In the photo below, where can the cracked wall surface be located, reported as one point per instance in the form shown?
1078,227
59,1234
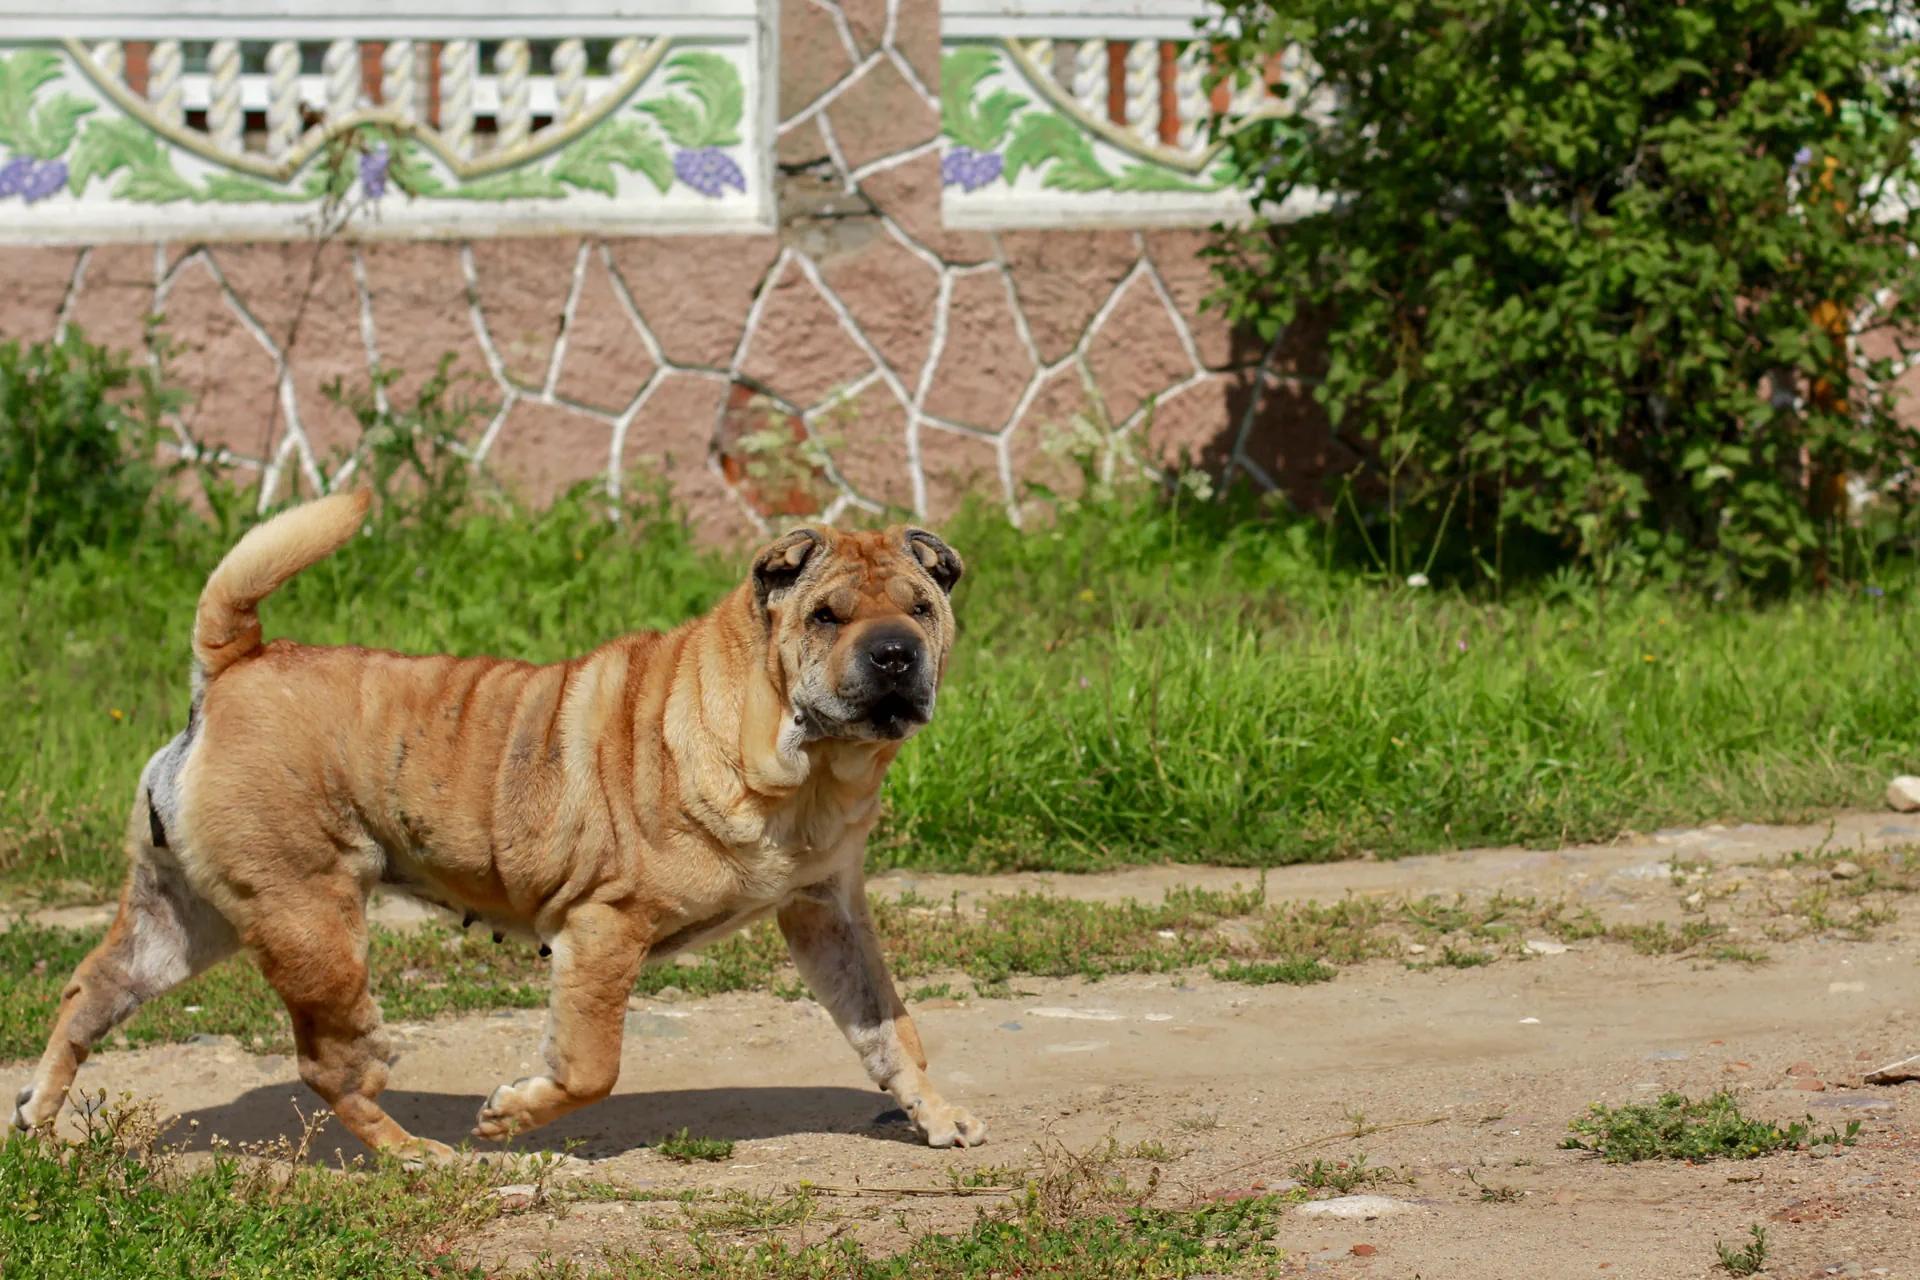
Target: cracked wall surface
921,363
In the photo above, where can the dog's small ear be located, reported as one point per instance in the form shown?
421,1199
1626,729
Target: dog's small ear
780,564
942,562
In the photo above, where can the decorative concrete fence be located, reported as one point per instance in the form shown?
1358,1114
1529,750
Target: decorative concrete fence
808,257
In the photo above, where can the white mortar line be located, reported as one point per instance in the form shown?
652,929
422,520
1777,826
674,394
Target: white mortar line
831,94
894,159
558,355
487,437
768,284
835,154
76,284
369,332
1187,344
617,441
839,25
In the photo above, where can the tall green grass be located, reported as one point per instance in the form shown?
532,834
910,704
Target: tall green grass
1136,682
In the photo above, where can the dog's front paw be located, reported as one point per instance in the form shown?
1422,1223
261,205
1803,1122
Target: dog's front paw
946,1125
504,1114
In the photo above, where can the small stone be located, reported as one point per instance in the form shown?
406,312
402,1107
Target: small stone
1803,1069
1542,947
1364,1251
1738,1066
1903,794
688,960
668,994
1365,1208
1810,1086
636,1003
1011,1026
517,1196
1417,949
761,1042
1564,1196
1821,1151
1844,870
1842,988
1863,1056
1895,1072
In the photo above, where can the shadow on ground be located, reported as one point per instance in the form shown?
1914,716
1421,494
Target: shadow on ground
621,1123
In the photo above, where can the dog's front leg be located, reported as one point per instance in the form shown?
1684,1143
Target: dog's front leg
831,936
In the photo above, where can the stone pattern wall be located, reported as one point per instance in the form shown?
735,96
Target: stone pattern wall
924,363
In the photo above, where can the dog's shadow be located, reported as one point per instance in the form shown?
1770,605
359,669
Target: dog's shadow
624,1122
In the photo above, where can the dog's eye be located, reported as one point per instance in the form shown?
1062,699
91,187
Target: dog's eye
923,610
826,617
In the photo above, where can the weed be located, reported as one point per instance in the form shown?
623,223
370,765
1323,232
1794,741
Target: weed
1458,959
987,1175
1200,1122
122,1202
941,991
1296,971
1675,1128
1494,1195
1747,1260
685,1148
1151,1149
1342,1177
743,1211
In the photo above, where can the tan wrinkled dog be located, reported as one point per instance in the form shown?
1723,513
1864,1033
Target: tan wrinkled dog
653,795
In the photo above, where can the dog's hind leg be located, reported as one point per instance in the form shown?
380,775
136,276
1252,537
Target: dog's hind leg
311,941
596,959
164,934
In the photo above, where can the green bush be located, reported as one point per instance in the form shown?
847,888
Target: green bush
76,469
1599,270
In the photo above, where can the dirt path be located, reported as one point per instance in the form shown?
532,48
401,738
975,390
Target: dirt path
1232,1081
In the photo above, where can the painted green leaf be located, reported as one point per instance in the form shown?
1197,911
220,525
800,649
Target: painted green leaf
20,75
156,183
411,169
233,188
713,118
960,73
1043,137
588,161
517,184
51,129
1152,177
108,146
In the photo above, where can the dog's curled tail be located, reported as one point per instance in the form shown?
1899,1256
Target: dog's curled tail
226,627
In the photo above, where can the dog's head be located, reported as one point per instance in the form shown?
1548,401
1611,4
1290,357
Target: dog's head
860,626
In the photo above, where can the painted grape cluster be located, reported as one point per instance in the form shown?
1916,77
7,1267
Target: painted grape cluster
32,180
968,169
708,170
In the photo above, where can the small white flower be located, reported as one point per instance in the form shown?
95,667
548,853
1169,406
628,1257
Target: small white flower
1416,579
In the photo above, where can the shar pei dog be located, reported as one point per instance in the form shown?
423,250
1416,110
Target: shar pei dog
617,808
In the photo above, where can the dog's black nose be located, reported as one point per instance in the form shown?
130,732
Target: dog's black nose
894,655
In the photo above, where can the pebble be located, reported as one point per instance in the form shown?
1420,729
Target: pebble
1365,1208
1078,1015
1364,1251
1738,1066
1803,1069
517,1196
1417,949
1903,794
1665,1055
669,994
1542,947
1895,1072
1840,988
1844,870
1821,1150
1011,1026
688,960
1564,1196
1810,1086
1076,1046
